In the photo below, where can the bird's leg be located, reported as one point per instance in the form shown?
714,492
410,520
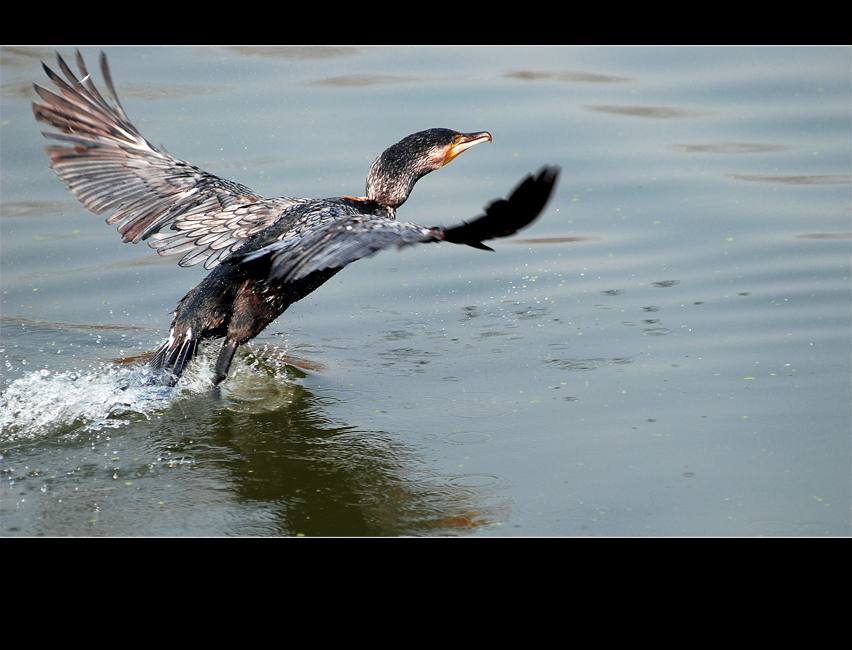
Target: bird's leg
229,348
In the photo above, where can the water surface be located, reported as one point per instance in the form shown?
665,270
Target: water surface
666,352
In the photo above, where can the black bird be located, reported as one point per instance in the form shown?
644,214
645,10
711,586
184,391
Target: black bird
265,254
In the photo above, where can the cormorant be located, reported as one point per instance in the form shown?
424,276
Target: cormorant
265,254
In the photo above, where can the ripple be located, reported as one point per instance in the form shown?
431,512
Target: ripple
551,240
579,364
581,77
468,438
654,112
473,480
826,235
362,80
656,331
817,179
729,147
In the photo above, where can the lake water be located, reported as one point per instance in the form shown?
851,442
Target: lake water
666,352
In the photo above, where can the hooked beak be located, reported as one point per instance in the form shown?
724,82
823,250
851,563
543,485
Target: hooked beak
465,141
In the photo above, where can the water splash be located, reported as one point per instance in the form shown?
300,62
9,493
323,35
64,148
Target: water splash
45,403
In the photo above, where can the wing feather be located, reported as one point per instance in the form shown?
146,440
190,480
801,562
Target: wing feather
110,168
505,217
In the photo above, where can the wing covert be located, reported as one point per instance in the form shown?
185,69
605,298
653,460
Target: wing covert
339,242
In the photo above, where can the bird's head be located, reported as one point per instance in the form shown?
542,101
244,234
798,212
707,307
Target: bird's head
394,173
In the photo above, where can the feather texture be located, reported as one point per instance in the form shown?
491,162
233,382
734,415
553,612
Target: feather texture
109,167
340,237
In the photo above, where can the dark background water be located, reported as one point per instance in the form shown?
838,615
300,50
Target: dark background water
666,352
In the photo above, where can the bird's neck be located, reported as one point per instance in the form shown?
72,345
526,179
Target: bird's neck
392,178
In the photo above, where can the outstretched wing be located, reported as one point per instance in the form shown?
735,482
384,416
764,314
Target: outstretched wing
347,239
109,167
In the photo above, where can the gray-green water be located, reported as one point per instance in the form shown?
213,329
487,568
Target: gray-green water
666,352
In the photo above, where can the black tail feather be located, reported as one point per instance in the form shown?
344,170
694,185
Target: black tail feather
171,358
